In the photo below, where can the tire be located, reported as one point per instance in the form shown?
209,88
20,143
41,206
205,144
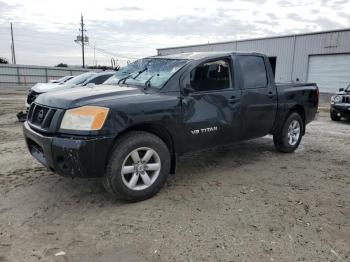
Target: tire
131,185
286,140
335,117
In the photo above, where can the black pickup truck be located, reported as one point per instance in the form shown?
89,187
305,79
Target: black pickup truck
131,130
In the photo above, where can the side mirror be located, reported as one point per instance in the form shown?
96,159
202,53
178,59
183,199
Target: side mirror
341,89
90,85
188,89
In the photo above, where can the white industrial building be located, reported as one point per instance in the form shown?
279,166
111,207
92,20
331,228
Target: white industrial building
321,57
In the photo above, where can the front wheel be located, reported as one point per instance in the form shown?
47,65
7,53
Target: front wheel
289,137
138,167
335,117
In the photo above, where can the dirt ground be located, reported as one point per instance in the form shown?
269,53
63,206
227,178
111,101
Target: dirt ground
244,202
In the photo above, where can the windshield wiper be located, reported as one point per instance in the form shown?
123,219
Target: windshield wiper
124,78
148,82
139,73
130,75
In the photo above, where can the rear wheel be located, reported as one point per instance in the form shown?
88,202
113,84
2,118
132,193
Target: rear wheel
138,167
289,137
335,117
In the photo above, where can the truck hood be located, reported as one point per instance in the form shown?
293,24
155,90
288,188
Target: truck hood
69,98
48,87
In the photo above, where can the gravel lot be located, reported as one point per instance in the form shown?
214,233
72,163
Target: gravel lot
244,202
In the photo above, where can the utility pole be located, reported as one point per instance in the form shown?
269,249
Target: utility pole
95,62
82,39
13,47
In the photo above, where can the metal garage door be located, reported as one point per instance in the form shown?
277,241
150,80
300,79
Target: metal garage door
330,72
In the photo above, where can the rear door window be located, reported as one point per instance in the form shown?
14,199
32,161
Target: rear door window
253,71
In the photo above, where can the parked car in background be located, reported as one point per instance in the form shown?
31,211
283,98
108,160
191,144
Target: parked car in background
40,88
49,87
340,104
131,130
86,79
99,78
51,84
61,80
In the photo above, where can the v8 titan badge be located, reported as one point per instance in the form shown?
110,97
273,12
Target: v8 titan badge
204,130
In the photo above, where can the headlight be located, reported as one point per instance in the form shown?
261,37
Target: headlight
337,99
85,118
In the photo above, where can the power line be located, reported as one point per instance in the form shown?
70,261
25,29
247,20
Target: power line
109,54
81,39
102,51
51,43
60,36
114,54
54,37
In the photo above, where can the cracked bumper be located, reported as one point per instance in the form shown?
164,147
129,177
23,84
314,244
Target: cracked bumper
69,156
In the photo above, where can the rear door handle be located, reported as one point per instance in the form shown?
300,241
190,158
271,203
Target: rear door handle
233,100
270,94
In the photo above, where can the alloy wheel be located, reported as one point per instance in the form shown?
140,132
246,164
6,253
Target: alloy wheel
141,168
293,132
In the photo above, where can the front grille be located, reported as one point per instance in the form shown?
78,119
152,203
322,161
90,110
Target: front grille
346,99
31,97
41,117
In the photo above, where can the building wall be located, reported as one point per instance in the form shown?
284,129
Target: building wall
326,43
292,52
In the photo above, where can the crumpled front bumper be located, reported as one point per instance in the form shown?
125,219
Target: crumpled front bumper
69,156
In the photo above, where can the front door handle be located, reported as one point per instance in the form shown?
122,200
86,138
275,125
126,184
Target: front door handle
233,100
270,94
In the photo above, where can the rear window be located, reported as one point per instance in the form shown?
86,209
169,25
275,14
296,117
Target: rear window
79,79
253,71
99,79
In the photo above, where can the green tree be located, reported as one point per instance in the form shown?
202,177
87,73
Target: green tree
62,65
101,67
3,60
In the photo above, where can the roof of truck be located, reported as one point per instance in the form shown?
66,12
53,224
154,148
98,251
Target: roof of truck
200,55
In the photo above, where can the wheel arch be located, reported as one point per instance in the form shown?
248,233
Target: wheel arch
297,108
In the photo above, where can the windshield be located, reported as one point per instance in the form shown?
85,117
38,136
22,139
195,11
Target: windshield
152,72
79,79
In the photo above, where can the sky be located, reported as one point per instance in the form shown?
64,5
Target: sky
44,31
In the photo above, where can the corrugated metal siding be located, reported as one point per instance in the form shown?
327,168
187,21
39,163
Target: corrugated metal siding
29,75
292,52
316,45
282,48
